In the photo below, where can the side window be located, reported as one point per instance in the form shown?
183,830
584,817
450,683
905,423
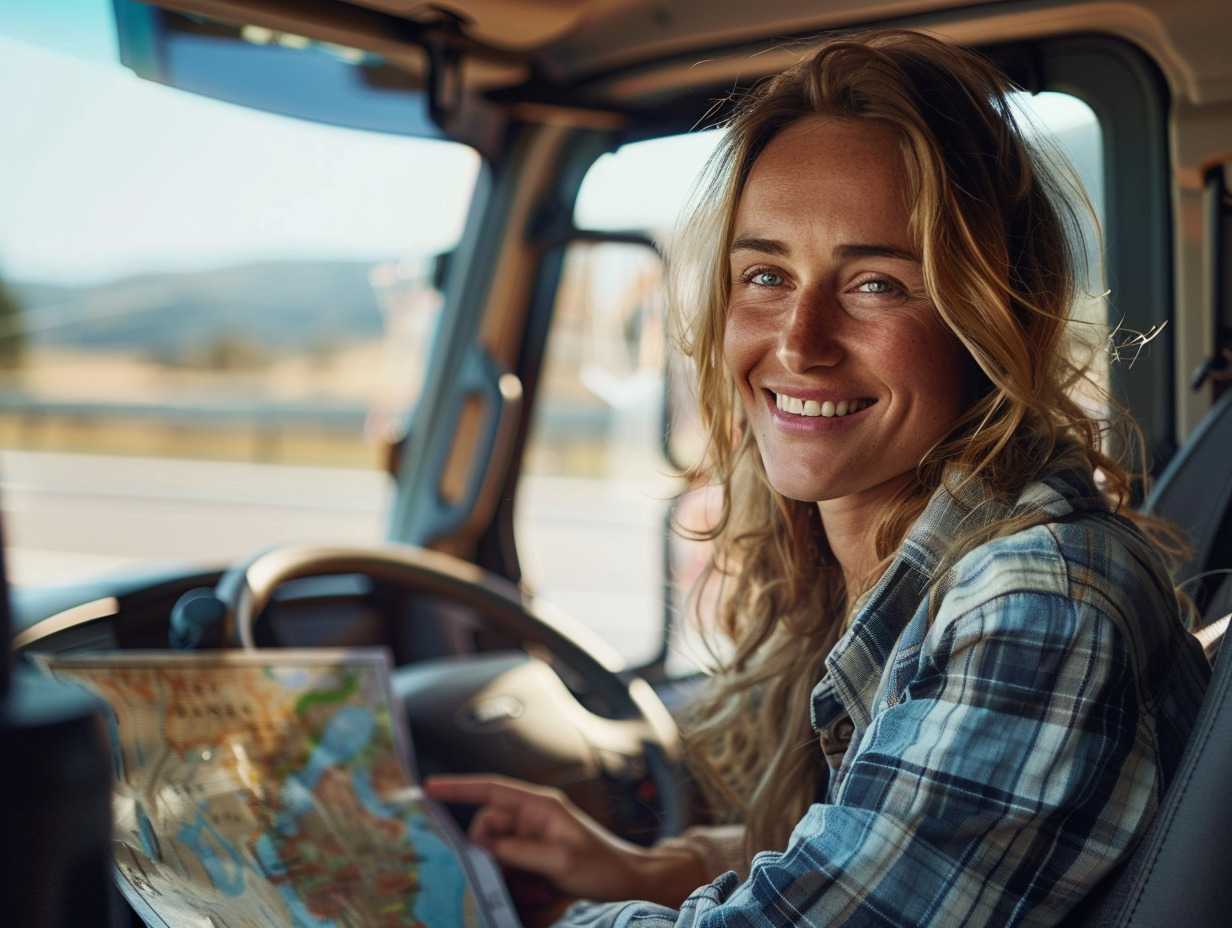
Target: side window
1130,182
1098,337
596,486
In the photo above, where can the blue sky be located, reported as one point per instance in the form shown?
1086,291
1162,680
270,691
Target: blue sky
103,174
83,29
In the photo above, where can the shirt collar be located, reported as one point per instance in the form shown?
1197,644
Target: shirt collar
855,664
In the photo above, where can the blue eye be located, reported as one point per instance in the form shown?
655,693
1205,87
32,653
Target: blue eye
877,286
766,279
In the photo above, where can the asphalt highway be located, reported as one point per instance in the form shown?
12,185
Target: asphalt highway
591,548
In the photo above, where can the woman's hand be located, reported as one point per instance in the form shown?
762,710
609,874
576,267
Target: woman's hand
538,830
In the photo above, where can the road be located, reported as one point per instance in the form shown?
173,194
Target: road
591,548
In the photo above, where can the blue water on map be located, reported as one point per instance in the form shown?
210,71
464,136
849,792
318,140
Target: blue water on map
149,840
439,872
267,857
346,735
228,880
297,801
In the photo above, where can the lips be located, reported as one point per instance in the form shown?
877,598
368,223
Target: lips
826,409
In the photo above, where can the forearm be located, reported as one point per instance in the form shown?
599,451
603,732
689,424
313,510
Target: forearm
658,876
718,848
666,875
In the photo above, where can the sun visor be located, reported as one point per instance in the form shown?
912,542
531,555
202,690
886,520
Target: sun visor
412,87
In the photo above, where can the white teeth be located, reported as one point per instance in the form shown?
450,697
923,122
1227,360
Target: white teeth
812,408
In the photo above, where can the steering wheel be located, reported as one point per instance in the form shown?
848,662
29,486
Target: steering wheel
505,712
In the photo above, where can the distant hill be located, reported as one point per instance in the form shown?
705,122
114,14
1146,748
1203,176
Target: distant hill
280,306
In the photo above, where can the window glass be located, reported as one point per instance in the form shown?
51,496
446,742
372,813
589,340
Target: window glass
643,186
594,493
211,315
1075,129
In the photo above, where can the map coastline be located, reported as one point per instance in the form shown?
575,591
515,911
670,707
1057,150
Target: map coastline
275,787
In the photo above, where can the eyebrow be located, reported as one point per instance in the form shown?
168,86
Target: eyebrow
767,246
772,246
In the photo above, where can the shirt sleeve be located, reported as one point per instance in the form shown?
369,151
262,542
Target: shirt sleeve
995,786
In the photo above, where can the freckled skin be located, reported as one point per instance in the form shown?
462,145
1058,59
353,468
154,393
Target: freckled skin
827,301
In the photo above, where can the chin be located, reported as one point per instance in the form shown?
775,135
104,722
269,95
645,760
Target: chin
800,491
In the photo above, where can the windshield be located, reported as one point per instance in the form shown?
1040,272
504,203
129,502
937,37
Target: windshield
213,317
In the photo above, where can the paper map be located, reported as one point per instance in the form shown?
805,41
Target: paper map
264,789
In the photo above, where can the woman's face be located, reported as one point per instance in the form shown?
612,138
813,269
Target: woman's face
845,368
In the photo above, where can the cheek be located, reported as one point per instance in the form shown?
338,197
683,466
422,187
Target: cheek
739,348
937,366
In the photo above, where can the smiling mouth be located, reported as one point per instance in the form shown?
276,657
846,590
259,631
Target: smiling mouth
826,410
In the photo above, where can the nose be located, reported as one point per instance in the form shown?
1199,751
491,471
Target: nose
812,333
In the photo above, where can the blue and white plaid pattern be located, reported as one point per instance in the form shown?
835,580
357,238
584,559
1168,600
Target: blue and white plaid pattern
1012,729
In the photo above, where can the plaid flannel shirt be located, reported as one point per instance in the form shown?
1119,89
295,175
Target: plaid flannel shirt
999,737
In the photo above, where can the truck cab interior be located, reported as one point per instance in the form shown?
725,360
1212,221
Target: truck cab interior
569,120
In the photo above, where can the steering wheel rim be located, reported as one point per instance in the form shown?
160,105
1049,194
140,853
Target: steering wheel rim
247,586
639,716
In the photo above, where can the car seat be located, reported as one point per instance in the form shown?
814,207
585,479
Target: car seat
1195,493
1179,873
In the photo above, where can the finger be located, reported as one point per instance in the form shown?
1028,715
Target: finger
458,788
490,823
481,790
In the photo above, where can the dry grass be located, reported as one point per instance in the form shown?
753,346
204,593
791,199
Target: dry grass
352,374
155,439
361,374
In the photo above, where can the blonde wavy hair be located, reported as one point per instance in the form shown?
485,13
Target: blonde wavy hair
996,229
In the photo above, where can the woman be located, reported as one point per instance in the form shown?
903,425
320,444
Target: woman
959,672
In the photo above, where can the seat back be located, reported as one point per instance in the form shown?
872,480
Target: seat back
1195,493
1178,876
